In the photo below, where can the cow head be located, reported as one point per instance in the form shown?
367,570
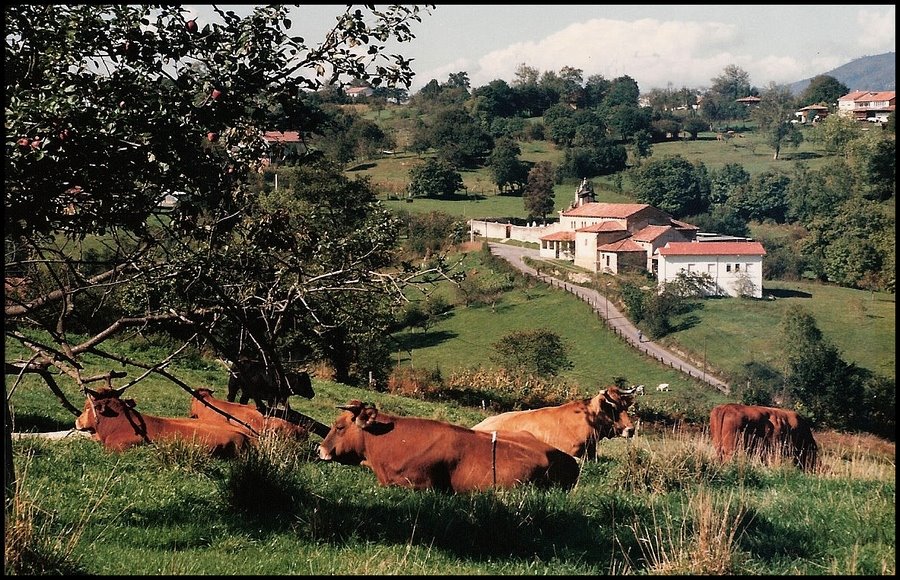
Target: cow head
610,412
106,402
299,383
345,442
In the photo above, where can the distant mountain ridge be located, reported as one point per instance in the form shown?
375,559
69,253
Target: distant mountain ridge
868,73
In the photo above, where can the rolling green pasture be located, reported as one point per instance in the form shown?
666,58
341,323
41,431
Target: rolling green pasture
464,338
732,331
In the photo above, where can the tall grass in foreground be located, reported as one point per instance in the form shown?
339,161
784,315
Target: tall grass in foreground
658,504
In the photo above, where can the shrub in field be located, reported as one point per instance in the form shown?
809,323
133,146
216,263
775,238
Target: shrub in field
502,390
261,480
414,382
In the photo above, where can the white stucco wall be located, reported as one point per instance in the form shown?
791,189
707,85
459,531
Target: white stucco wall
722,269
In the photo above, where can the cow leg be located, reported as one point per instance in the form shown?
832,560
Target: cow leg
232,391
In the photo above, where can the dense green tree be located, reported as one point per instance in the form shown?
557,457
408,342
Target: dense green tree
873,160
626,120
835,131
510,173
855,247
123,104
722,219
603,158
495,99
434,178
538,352
773,117
726,182
695,125
816,377
823,89
672,184
595,89
720,101
431,232
458,138
641,144
538,197
818,193
763,198
623,91
560,124
664,129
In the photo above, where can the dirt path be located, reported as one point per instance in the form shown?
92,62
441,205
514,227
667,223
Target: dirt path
608,311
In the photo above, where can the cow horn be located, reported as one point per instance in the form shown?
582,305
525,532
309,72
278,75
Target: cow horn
90,392
628,391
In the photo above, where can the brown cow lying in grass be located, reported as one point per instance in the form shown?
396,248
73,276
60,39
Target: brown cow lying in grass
574,427
256,422
428,454
116,424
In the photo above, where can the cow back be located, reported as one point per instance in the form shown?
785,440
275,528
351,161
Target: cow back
249,419
761,430
427,454
574,427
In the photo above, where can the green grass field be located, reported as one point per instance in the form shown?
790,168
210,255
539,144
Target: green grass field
658,504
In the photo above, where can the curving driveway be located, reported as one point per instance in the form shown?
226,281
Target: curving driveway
607,310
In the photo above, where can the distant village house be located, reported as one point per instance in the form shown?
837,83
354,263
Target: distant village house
615,237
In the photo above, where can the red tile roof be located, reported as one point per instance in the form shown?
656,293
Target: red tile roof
650,233
625,245
611,226
607,210
684,225
286,137
559,237
712,249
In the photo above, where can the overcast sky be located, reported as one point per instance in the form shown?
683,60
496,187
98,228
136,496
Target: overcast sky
658,46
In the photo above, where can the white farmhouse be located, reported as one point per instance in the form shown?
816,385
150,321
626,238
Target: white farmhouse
734,266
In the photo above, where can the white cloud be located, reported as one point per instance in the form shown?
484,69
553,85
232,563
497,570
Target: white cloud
879,30
658,53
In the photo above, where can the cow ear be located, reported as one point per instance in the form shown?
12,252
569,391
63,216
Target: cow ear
366,416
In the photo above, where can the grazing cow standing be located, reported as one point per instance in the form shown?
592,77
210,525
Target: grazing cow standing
763,430
116,424
427,454
254,380
574,427
662,387
249,414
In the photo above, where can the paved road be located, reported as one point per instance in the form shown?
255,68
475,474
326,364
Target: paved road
607,310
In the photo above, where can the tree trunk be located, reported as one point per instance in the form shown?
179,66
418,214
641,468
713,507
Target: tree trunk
10,468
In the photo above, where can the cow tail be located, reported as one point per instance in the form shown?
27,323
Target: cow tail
494,457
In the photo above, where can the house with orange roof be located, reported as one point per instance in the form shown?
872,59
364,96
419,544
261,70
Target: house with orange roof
873,106
613,237
284,145
735,267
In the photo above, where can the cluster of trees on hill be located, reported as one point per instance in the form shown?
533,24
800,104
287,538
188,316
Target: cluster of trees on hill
847,229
